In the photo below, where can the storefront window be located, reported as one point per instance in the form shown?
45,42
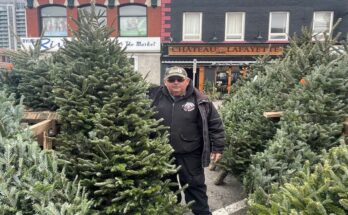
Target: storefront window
53,21
133,21
278,26
322,22
99,10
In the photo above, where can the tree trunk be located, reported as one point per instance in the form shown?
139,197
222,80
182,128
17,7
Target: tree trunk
219,180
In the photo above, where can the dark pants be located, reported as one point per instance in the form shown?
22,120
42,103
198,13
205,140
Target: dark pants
192,173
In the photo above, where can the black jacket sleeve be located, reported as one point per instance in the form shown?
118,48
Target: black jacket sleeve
216,130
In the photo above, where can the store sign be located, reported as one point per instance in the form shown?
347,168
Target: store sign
141,44
225,50
136,44
47,43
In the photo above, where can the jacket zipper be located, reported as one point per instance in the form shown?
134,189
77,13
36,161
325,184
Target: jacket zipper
171,122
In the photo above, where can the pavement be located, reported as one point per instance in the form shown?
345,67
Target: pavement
226,199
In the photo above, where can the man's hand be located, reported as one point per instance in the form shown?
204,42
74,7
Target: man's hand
215,156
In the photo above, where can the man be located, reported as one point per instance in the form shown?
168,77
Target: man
196,132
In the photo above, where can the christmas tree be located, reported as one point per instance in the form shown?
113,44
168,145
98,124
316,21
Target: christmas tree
323,190
247,130
30,181
313,121
314,115
108,134
30,77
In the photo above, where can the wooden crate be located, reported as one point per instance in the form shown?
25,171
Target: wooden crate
44,125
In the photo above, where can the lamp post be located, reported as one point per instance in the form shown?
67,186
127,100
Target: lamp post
194,71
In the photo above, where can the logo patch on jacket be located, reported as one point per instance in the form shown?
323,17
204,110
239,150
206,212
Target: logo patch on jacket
189,106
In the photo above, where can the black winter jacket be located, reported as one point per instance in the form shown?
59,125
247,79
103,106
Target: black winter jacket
212,127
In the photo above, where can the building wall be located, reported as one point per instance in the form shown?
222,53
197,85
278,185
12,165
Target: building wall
257,15
149,65
209,63
153,14
145,59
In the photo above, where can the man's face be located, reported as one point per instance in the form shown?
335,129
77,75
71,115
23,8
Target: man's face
177,85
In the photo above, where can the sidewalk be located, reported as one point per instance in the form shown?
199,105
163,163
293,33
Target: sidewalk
225,199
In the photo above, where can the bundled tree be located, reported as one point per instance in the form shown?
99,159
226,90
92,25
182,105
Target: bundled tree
323,190
313,121
247,130
108,134
30,181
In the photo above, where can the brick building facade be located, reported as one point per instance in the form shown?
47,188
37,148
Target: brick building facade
136,24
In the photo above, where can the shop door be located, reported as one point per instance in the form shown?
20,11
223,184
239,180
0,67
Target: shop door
221,80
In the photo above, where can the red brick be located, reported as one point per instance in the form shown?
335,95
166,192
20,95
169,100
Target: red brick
165,34
167,9
166,18
43,2
124,1
112,21
72,13
59,2
32,22
140,1
154,17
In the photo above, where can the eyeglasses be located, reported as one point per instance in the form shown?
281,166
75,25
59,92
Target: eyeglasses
173,79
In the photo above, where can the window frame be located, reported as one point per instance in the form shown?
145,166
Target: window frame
286,34
41,17
320,35
200,27
242,35
132,16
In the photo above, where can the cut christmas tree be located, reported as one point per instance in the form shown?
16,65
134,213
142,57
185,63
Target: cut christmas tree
30,182
247,130
322,189
312,121
31,78
108,134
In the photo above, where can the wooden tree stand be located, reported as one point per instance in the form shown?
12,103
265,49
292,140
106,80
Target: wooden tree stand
43,125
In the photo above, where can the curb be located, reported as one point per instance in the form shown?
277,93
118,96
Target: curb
230,209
